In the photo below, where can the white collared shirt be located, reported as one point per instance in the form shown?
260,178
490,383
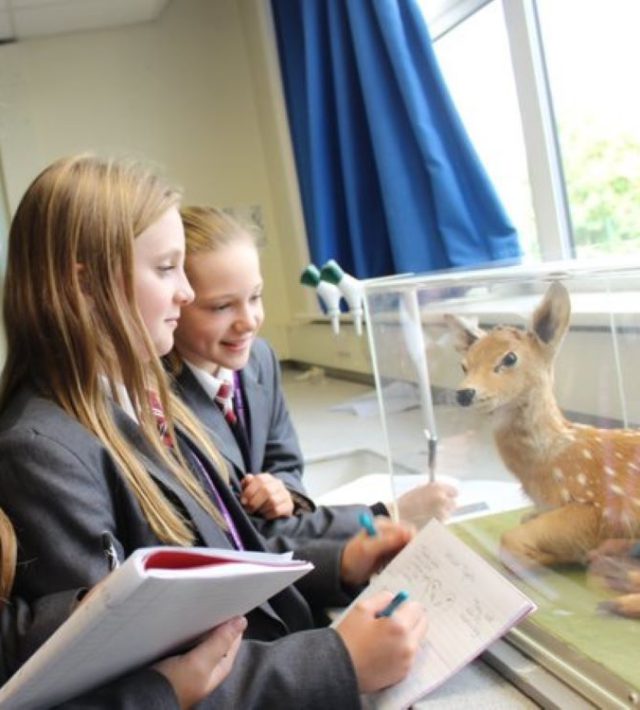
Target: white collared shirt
123,401
210,383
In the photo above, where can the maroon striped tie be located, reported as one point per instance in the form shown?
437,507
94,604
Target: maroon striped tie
224,399
161,422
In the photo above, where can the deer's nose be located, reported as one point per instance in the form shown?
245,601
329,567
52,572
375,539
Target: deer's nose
465,397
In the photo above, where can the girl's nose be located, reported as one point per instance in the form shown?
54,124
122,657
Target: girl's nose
185,293
246,320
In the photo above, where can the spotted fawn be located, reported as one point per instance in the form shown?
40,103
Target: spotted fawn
584,481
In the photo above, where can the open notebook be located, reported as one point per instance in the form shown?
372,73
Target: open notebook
469,605
160,599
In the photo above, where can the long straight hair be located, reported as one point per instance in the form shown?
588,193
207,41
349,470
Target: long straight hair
72,321
7,558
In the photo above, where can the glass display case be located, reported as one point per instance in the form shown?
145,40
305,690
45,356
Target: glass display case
521,385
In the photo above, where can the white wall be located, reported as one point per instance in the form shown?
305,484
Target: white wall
198,91
179,91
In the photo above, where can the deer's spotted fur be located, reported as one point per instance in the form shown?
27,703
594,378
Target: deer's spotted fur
584,481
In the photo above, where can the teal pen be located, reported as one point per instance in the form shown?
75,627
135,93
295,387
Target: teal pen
367,523
399,598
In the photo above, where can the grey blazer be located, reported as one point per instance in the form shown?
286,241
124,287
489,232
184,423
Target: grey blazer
23,628
273,443
274,446
62,490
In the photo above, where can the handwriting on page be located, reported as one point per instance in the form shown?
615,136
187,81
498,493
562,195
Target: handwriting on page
436,578
469,605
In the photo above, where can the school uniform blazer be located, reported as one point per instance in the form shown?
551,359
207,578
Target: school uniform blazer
24,627
62,490
274,446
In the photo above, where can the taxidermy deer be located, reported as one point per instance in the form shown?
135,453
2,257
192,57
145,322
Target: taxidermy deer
584,481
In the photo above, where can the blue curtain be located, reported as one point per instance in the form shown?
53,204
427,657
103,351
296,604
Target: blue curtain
389,180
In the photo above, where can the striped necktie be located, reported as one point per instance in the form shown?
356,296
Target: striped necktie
161,422
158,413
224,399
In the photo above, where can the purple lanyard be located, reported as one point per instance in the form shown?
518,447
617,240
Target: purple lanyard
238,398
158,413
233,531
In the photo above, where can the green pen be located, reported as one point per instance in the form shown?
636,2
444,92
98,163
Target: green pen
367,523
399,598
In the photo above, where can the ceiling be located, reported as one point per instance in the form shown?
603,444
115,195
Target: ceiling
21,19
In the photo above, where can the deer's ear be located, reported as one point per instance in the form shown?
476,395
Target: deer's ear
551,317
465,331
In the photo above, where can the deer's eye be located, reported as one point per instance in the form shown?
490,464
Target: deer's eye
509,360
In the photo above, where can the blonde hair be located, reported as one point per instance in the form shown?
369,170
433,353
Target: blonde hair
207,229
210,229
72,320
7,558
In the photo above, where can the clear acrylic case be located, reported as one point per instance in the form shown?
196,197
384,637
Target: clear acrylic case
580,630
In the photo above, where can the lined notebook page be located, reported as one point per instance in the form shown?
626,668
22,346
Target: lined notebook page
469,605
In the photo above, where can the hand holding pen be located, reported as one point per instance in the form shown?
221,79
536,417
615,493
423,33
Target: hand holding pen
366,553
394,604
383,645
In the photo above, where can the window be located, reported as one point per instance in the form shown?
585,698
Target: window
484,92
592,67
546,90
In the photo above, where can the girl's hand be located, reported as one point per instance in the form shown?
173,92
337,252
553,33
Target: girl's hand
432,500
364,554
200,671
382,650
266,495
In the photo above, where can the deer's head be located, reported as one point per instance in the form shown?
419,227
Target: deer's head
505,364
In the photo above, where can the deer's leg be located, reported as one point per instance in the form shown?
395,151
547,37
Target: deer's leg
562,535
620,573
625,605
614,547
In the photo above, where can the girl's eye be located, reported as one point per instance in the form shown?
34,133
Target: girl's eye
256,297
166,267
221,307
